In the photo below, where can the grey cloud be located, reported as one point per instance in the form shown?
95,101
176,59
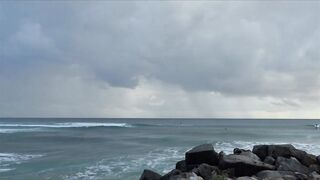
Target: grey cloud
236,49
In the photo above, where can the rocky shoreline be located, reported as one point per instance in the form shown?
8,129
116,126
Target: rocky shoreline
271,162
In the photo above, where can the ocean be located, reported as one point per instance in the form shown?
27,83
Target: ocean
119,149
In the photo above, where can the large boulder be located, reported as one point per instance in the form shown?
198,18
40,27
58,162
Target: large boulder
201,154
243,165
291,164
150,175
206,171
284,150
261,151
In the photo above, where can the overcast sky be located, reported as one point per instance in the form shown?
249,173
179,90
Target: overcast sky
160,59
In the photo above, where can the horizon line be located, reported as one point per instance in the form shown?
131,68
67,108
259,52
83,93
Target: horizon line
204,118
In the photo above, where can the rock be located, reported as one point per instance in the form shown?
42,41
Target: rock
243,165
318,159
314,176
291,164
305,158
269,160
150,175
206,171
268,174
172,173
284,150
181,165
201,154
261,151
246,153
186,176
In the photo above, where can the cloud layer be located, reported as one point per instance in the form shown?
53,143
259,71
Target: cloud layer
160,59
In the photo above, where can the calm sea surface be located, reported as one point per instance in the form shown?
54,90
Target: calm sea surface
119,149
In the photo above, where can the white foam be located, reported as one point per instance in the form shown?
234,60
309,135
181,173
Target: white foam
160,160
6,169
17,130
69,125
8,159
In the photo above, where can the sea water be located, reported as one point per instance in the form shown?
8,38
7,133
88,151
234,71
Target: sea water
119,149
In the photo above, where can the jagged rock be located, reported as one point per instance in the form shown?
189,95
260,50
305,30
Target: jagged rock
186,176
201,154
150,175
181,165
269,160
268,174
172,173
284,150
206,171
291,164
243,165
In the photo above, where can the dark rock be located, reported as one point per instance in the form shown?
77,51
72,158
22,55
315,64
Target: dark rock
291,164
243,165
318,159
305,158
284,150
206,171
181,165
268,174
245,153
169,175
201,154
269,160
150,175
261,151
